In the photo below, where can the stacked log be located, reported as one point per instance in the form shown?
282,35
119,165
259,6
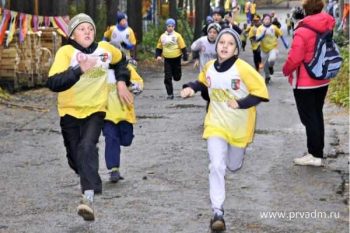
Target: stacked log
26,64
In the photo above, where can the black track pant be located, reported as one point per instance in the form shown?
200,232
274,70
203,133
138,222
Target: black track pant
172,70
80,139
310,104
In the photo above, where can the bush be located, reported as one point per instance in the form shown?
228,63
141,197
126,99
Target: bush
339,87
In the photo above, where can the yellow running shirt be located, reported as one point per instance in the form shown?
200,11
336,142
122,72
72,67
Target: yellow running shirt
236,126
89,94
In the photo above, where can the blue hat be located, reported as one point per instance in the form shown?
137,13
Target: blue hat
120,16
219,11
209,19
170,21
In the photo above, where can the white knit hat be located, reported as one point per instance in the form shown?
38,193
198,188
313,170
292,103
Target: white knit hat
78,19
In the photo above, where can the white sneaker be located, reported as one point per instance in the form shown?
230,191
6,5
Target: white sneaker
308,160
85,209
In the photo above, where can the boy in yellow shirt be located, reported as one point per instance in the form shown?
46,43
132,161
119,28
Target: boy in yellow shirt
171,46
79,75
121,35
118,124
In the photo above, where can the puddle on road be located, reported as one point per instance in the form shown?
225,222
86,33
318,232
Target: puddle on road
183,106
151,117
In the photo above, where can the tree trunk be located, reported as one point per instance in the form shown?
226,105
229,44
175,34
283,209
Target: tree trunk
206,10
90,8
172,9
134,12
112,7
180,4
21,6
40,7
222,3
198,19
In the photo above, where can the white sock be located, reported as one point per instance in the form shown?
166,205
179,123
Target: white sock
218,212
89,194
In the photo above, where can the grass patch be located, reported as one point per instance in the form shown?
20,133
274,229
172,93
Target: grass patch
339,87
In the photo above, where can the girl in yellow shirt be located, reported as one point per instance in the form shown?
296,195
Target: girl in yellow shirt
235,88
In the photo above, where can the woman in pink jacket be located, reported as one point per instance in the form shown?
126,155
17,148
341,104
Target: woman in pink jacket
309,93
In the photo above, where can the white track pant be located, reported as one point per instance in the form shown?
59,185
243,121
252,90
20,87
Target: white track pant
269,60
221,155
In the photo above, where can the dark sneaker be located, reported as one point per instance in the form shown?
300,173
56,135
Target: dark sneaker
267,80
85,209
170,97
115,176
271,70
217,223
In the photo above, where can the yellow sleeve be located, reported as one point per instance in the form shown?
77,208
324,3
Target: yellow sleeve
259,31
108,33
116,53
159,43
202,75
180,41
132,37
134,76
252,79
62,60
251,33
278,31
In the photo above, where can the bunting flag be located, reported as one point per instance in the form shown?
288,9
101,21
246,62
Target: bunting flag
61,25
35,22
21,21
47,21
12,27
27,23
4,24
40,20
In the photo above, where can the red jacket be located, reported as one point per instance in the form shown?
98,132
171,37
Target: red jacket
302,49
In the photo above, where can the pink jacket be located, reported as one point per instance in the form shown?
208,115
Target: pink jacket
302,49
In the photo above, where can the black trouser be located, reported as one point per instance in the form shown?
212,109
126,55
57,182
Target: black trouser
172,70
257,58
310,104
80,139
244,44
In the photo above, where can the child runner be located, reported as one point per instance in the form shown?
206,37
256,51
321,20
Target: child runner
268,34
121,35
205,46
79,75
118,124
244,35
289,23
255,45
171,45
235,88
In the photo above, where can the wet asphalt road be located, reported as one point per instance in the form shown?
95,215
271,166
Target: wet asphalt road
166,169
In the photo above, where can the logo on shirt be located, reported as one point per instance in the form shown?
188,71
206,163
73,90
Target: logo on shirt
103,57
235,84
